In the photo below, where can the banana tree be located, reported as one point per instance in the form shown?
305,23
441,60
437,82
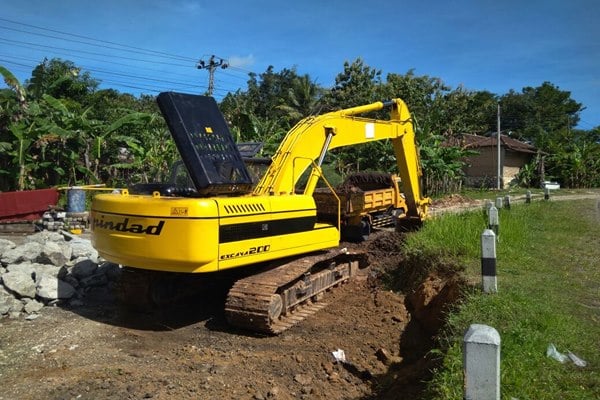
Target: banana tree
85,138
442,165
12,82
18,143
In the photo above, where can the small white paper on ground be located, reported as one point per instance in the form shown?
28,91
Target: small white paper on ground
339,355
558,356
576,360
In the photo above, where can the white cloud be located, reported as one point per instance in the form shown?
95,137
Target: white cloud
191,6
241,61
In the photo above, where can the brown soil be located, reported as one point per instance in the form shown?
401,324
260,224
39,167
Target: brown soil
187,351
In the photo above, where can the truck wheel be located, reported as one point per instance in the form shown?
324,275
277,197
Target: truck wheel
365,229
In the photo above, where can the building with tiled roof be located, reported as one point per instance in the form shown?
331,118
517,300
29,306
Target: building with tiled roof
482,169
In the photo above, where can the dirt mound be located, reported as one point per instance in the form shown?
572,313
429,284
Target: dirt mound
453,200
429,303
366,181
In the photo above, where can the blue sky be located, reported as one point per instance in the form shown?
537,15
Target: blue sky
482,45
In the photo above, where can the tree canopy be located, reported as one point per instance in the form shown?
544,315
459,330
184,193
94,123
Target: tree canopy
58,128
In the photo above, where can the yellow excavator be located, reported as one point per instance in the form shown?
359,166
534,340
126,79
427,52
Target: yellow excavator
218,219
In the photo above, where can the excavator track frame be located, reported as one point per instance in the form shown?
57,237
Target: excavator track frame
275,300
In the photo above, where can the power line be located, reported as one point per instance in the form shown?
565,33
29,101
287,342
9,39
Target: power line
129,84
180,83
592,126
14,63
69,52
89,52
124,46
155,52
109,58
121,73
145,78
96,59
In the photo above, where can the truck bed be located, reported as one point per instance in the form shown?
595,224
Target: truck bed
354,203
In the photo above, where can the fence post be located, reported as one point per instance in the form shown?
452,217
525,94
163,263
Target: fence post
489,280
528,197
481,363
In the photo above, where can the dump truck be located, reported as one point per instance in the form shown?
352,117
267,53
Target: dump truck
221,220
368,200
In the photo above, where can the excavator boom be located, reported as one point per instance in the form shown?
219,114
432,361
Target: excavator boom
313,136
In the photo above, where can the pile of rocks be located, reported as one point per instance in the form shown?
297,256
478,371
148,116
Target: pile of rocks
57,220
50,268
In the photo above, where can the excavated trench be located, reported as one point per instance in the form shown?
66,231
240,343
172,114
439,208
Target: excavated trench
428,293
426,306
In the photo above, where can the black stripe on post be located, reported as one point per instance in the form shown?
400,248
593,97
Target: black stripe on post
488,266
488,262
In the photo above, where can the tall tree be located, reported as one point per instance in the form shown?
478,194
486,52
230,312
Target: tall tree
60,79
303,99
357,84
540,114
273,103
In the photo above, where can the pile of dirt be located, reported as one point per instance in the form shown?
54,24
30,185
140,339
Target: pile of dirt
453,200
365,181
187,351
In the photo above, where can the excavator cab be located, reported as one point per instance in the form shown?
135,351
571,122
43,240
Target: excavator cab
211,163
207,148
181,184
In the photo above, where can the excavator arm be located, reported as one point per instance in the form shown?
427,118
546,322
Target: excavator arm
312,137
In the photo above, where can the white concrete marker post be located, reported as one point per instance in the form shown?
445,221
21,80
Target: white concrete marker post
507,202
528,197
493,220
498,202
481,363
489,280
487,204
546,193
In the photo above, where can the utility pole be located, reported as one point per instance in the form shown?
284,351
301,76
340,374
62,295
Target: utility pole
499,154
211,65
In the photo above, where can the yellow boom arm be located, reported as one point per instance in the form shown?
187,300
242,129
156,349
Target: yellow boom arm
312,137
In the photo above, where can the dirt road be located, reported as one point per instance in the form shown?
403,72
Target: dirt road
187,351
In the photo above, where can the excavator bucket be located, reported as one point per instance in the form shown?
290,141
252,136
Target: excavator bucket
206,146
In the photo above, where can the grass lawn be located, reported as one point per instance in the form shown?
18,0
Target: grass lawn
548,292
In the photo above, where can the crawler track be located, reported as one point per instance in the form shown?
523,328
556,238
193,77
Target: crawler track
269,302
275,300
145,290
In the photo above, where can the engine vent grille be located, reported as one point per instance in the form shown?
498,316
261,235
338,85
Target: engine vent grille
249,208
